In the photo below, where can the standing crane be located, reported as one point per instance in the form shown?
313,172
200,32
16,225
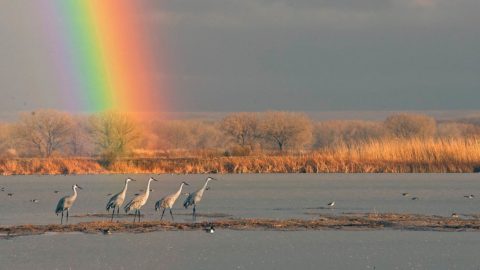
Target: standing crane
169,200
65,203
138,201
195,197
117,200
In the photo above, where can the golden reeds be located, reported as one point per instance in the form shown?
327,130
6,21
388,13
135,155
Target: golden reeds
385,156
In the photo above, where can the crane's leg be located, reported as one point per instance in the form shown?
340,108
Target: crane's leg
118,211
171,214
113,212
61,220
67,215
134,216
194,214
139,215
163,212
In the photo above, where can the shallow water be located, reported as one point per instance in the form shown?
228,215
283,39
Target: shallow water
245,250
267,196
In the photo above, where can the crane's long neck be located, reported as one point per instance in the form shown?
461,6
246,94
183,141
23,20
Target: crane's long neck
124,191
205,185
74,192
148,188
179,191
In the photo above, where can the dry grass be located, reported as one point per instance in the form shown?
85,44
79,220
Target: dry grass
385,156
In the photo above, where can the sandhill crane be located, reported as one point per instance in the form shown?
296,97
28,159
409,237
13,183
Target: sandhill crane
117,200
65,203
195,197
137,202
169,201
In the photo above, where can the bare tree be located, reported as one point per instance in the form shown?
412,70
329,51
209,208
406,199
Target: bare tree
5,138
114,134
287,129
331,133
80,143
175,134
457,130
411,125
207,135
243,128
43,132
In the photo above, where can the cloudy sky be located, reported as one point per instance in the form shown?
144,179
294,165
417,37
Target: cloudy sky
255,55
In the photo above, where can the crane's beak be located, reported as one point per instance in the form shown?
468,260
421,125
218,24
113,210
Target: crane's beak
133,180
185,183
79,187
154,179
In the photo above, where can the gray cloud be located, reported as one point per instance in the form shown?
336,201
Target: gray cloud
282,54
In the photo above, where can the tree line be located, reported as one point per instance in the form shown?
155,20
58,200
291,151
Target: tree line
112,135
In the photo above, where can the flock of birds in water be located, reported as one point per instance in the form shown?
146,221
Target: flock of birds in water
136,203
167,202
140,199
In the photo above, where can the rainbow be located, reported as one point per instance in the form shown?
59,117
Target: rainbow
103,56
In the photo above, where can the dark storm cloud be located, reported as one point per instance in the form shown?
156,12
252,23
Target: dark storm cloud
285,54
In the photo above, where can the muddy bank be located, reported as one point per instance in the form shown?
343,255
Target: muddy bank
321,222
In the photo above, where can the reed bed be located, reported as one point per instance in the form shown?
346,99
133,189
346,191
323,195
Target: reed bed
386,156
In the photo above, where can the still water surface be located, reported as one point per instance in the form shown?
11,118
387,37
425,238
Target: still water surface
266,196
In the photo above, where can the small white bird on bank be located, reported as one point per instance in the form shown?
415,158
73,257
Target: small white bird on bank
65,203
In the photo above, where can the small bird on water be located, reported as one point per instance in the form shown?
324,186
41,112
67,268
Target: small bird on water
210,229
34,200
471,196
405,194
414,198
331,204
10,194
